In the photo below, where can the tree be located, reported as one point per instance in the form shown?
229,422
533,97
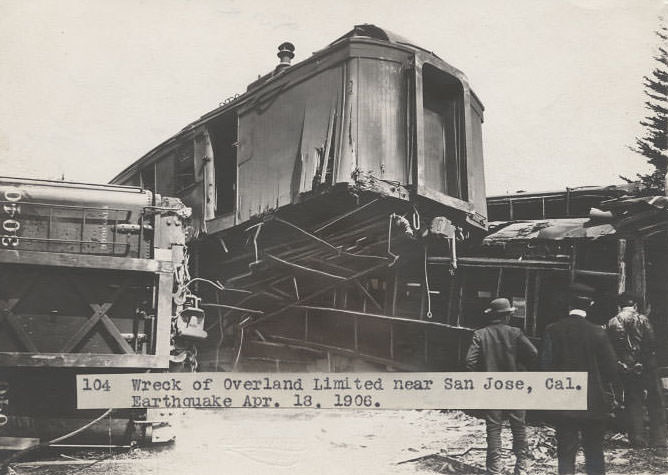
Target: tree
653,145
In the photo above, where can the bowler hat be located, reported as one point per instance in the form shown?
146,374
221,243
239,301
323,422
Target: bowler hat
581,290
499,306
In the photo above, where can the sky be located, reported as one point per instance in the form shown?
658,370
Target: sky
88,87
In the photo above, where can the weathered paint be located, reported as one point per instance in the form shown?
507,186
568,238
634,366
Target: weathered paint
352,110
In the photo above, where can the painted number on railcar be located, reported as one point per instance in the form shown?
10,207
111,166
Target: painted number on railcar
10,223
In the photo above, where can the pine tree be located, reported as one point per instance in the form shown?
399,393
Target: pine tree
653,145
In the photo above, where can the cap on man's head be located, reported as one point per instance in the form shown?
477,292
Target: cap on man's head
500,306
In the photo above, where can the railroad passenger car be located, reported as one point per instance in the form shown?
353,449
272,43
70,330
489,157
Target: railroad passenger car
318,177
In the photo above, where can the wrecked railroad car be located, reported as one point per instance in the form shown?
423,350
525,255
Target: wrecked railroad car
317,195
87,284
618,244
571,202
371,112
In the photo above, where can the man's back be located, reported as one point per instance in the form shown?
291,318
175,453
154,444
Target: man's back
574,344
500,347
632,337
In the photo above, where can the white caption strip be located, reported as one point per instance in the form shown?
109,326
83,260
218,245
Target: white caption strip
527,390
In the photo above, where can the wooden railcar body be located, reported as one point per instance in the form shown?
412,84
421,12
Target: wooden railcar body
305,188
370,110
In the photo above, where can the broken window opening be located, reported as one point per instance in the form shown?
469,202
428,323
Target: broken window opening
185,166
224,141
444,138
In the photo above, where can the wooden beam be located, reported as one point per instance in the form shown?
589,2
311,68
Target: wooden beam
638,269
164,315
318,293
621,266
573,262
368,295
112,330
20,333
7,307
98,312
83,360
536,303
295,266
426,323
85,328
502,262
84,261
595,273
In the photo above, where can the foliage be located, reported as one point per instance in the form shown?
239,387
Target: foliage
653,145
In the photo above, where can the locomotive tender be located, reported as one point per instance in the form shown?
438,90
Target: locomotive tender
87,277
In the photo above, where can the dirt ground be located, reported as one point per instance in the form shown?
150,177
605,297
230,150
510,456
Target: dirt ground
241,441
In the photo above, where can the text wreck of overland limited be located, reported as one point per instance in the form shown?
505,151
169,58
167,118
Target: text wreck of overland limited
357,385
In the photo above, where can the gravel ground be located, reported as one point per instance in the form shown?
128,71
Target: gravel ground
241,441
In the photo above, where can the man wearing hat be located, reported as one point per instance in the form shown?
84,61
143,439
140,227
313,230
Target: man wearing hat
573,343
499,347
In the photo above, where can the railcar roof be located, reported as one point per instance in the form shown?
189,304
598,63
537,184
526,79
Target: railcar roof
362,32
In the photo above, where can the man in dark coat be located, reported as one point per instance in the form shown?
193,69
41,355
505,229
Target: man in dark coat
500,347
633,340
574,344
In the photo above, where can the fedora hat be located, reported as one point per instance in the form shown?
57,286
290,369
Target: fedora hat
499,306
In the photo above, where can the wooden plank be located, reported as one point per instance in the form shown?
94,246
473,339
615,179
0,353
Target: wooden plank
164,315
573,262
527,309
84,261
6,306
426,323
444,199
536,303
85,328
499,282
501,262
82,360
638,269
292,265
368,295
25,287
98,312
621,266
595,273
317,293
20,333
112,330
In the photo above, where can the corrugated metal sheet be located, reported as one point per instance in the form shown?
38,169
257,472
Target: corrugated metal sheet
557,229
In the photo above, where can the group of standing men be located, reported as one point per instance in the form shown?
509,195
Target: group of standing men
619,355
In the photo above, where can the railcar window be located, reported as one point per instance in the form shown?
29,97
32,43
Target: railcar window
444,151
224,136
185,171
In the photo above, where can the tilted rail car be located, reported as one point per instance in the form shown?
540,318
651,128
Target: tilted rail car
87,279
317,195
